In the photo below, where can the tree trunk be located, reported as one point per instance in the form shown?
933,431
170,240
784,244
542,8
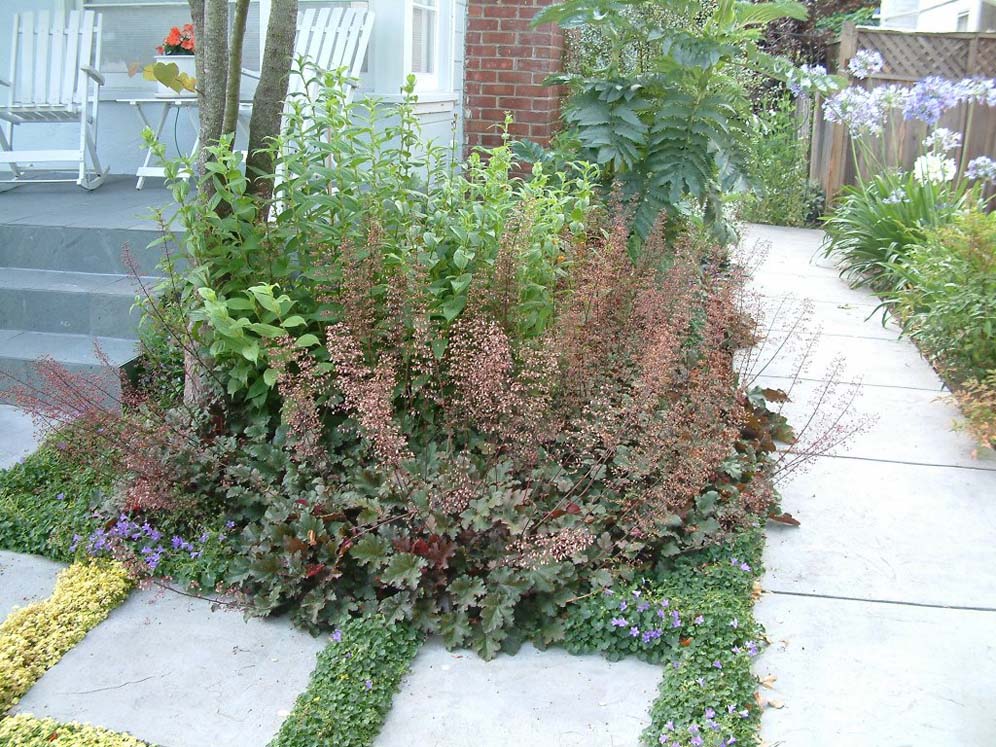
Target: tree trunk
212,48
268,104
235,67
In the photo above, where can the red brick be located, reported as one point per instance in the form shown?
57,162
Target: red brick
482,102
498,37
482,76
497,89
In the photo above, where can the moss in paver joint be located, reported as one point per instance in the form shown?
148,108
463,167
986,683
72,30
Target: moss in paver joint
34,638
24,730
352,686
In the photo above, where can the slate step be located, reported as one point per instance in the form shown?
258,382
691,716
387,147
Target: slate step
78,249
20,350
70,302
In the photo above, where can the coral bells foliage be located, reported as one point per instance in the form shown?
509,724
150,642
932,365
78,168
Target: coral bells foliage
471,478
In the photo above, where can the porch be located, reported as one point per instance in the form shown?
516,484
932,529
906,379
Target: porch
66,291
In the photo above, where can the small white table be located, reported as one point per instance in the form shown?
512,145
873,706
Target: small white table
168,103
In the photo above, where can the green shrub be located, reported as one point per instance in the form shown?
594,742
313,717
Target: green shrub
25,730
948,301
351,689
876,224
778,165
47,499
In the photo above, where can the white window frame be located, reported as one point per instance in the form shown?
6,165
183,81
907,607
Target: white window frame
424,81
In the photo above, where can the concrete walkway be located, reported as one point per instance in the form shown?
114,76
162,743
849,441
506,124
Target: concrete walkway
882,605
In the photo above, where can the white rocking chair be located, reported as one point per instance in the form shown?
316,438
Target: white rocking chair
329,39
54,78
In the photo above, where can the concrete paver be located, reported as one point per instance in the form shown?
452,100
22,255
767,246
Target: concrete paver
882,604
24,579
167,669
548,698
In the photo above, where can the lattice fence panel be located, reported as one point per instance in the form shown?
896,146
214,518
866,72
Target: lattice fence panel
985,60
914,56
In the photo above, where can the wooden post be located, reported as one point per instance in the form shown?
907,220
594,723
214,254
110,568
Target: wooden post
837,166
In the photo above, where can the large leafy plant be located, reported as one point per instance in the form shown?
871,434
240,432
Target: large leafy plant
672,131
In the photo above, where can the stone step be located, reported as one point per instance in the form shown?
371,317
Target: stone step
78,248
21,349
77,303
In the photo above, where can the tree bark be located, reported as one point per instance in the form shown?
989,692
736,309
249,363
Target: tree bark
212,48
268,103
235,67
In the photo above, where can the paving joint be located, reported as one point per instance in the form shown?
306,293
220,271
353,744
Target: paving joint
895,602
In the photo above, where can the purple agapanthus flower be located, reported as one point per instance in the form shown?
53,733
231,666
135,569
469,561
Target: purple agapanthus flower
865,63
930,98
982,168
858,109
895,197
942,140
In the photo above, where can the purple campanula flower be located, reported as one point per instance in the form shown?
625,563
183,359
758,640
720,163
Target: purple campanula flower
711,725
676,664
696,741
643,607
229,525
675,619
731,709
709,713
865,63
75,543
693,729
368,684
745,567
336,635
752,648
669,726
718,664
618,622
735,649
634,631
744,713
177,542
734,623
700,681
636,593
204,537
622,606
699,620
60,497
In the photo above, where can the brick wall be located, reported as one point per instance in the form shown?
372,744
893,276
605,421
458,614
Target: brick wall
506,63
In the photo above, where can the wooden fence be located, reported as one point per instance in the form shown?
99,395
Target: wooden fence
908,57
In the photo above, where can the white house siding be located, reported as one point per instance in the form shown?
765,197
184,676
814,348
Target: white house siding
939,16
119,138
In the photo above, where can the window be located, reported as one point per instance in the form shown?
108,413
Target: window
132,29
422,41
962,23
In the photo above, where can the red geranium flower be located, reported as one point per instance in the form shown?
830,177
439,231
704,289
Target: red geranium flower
174,37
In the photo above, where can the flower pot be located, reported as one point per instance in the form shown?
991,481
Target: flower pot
186,64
